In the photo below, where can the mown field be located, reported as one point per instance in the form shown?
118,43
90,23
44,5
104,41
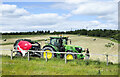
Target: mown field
97,46
55,66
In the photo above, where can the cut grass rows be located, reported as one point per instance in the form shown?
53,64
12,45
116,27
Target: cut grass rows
6,43
21,36
16,36
11,43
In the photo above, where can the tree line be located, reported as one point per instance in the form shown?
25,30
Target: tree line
113,34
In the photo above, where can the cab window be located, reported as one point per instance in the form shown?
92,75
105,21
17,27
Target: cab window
64,41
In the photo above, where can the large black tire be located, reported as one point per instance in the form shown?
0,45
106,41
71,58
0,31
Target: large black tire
18,54
36,54
70,55
50,55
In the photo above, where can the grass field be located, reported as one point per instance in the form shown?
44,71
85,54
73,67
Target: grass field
55,66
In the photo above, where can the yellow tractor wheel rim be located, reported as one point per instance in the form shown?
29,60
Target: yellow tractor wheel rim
49,54
69,57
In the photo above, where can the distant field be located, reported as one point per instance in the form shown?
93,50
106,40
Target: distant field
55,66
97,46
16,36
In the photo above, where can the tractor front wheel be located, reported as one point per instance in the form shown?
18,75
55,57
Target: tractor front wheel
49,54
69,56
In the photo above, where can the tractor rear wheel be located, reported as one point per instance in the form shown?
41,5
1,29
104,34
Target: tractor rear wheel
49,54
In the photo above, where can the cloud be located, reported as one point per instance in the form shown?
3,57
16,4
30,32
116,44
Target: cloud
95,8
8,8
76,1
103,10
18,19
12,11
111,18
64,26
42,19
13,18
116,0
33,20
67,25
64,6
11,15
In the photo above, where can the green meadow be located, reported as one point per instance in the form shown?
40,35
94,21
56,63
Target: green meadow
55,66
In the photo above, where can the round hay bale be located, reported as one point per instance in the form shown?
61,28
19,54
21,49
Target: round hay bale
94,39
5,40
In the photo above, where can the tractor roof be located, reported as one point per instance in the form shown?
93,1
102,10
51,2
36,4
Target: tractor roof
59,37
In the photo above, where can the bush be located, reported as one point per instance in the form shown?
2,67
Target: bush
109,44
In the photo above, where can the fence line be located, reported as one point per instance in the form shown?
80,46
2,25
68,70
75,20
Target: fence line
103,54
5,49
63,52
66,52
12,51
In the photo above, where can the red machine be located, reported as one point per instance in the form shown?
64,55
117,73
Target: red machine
22,45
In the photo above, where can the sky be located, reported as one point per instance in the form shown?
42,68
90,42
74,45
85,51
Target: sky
58,16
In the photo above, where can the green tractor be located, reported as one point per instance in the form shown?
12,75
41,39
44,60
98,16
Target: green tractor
60,44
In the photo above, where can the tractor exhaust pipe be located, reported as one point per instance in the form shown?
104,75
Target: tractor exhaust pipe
70,41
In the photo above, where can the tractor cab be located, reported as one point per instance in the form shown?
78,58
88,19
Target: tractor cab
58,41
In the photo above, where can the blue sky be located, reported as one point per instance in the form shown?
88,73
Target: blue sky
59,16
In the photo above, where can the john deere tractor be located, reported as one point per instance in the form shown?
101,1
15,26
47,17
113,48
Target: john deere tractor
60,44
